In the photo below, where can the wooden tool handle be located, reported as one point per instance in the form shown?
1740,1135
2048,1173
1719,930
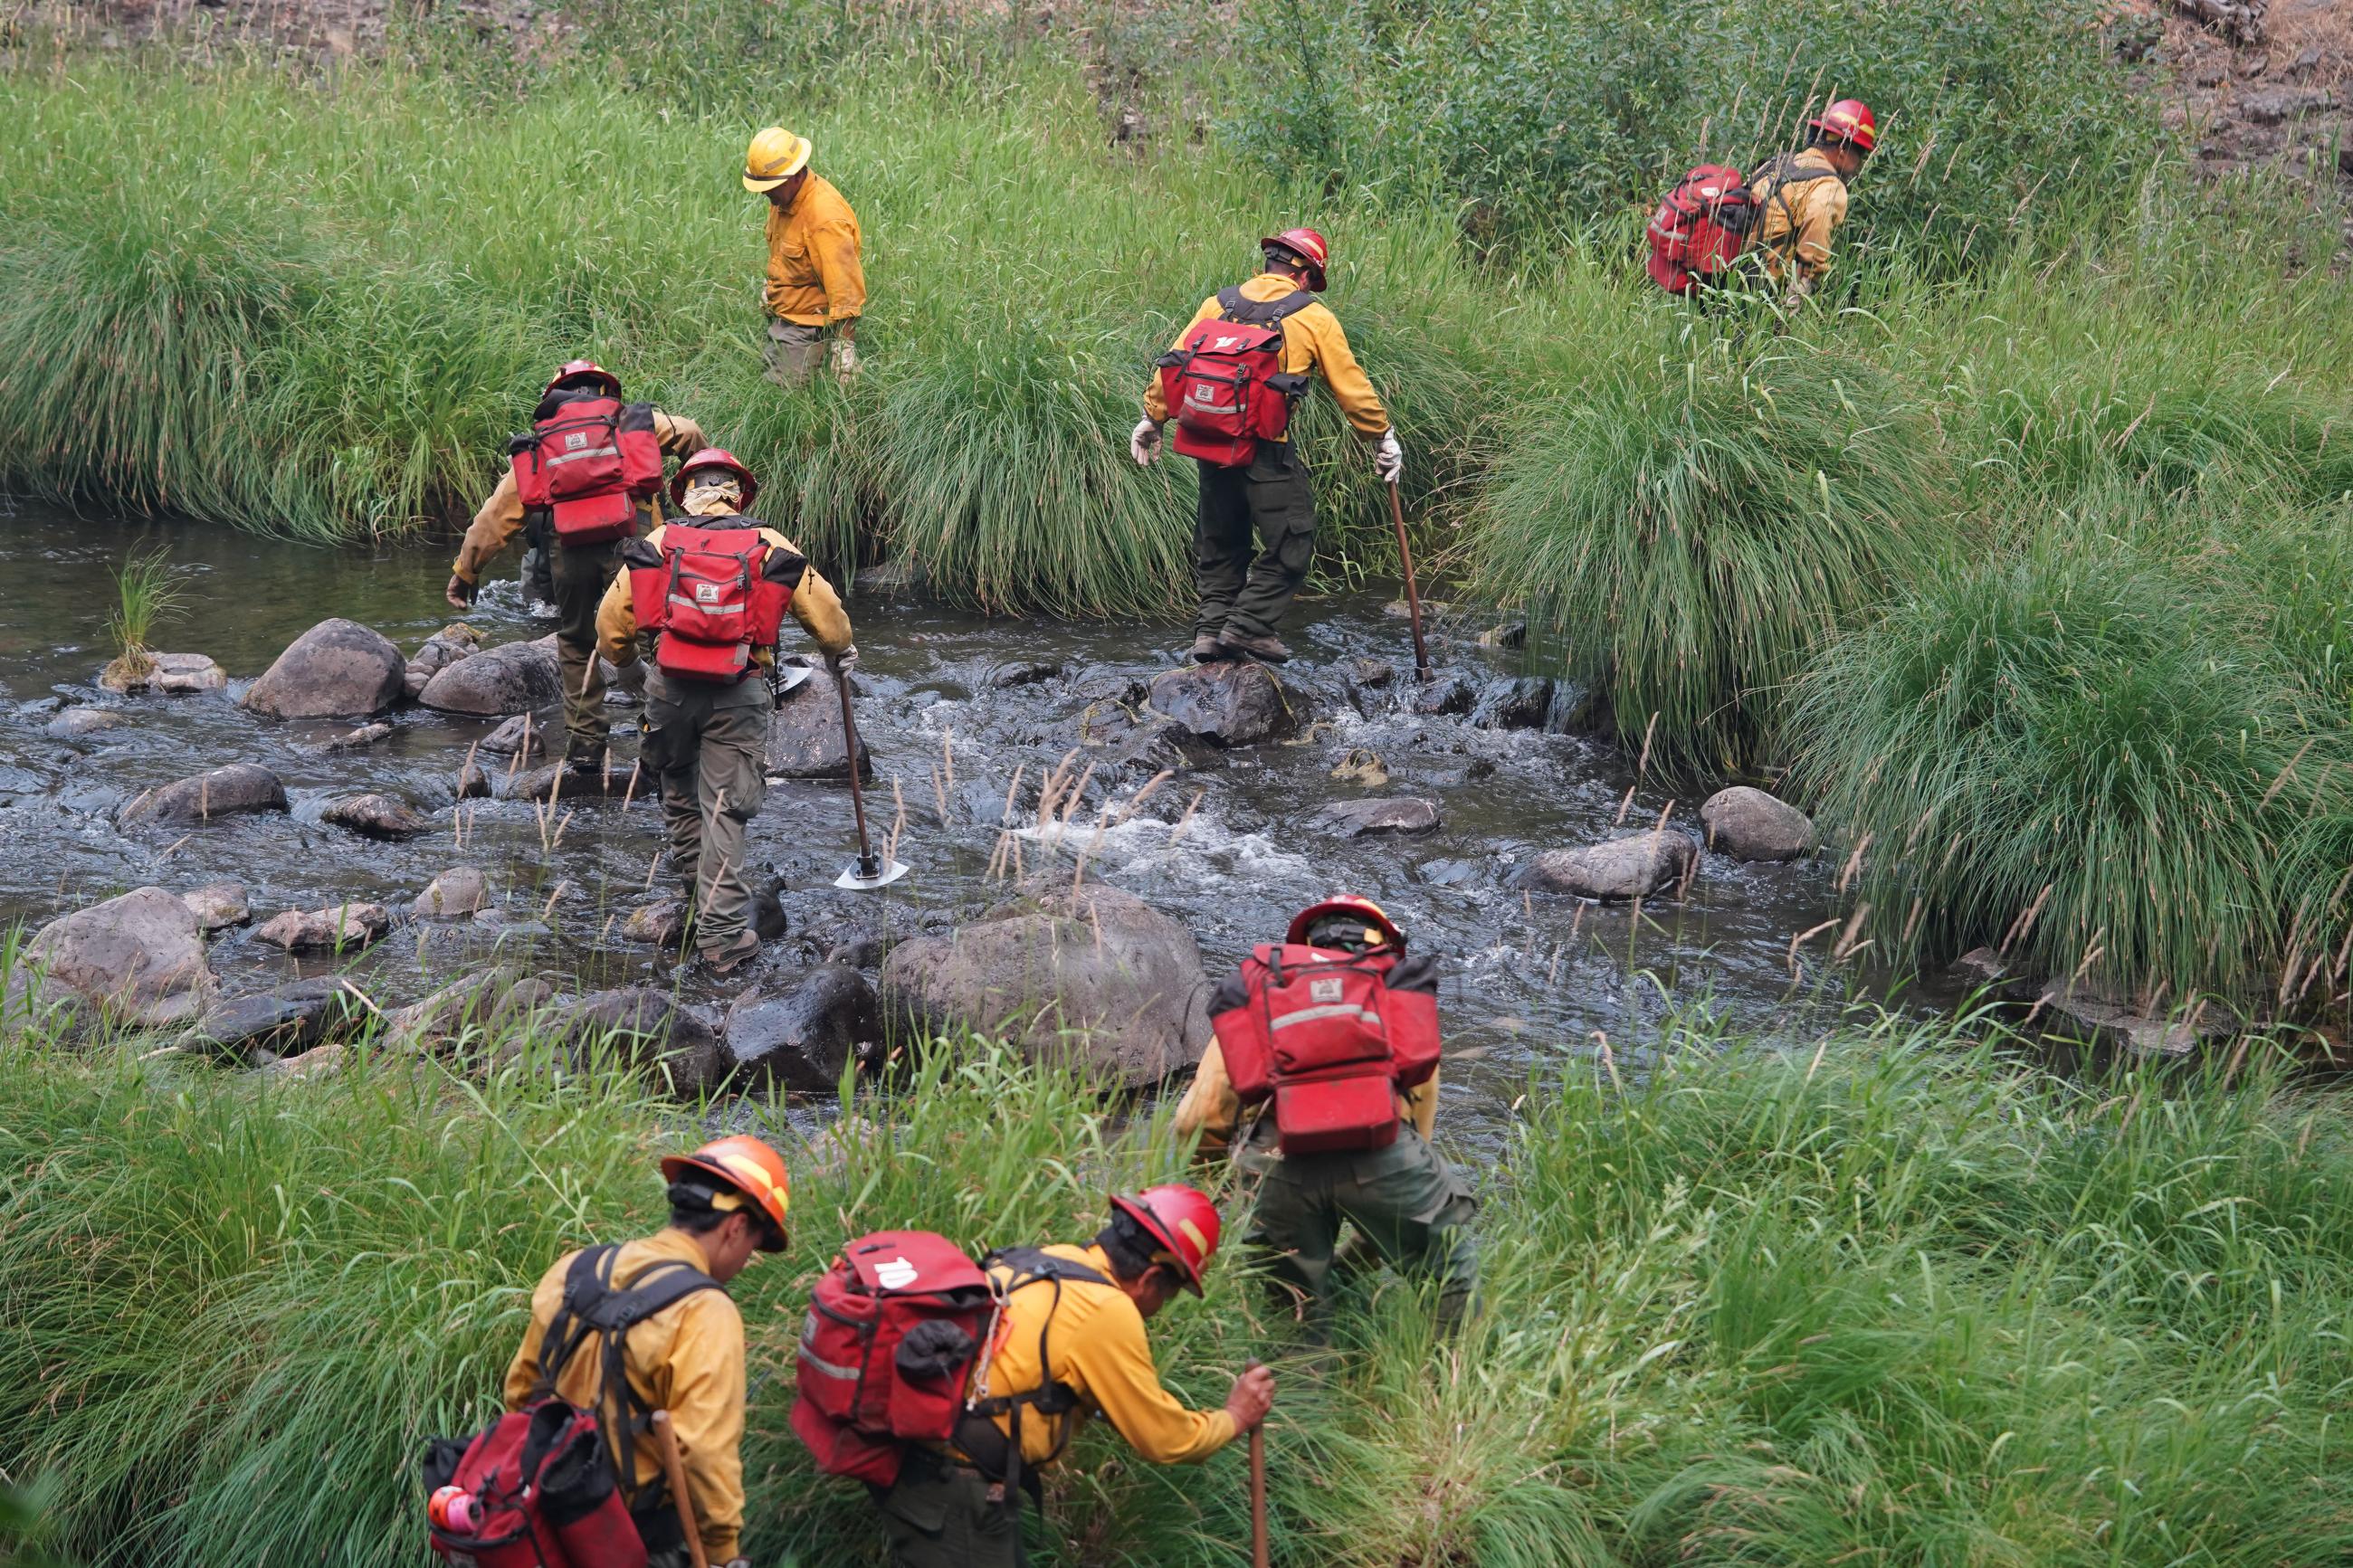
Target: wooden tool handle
674,1467
1259,1550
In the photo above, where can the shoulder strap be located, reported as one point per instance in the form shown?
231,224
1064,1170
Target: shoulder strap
593,1305
1032,1264
991,1450
1236,307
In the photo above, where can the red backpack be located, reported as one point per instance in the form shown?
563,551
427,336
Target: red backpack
589,458
1701,226
1326,1037
897,1331
712,594
1225,382
548,1486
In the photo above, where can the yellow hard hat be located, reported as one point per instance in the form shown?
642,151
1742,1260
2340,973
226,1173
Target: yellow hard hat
776,156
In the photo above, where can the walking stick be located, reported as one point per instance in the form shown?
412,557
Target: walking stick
870,869
1412,593
674,1468
1259,1556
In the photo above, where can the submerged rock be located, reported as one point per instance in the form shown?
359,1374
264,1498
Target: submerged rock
805,737
1750,825
169,675
218,905
458,893
345,928
1234,702
76,723
358,739
1631,867
236,790
442,650
558,782
375,816
289,1020
805,1037
337,670
512,677
1388,814
522,735
1524,702
139,957
1446,695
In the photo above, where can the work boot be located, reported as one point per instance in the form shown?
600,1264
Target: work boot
584,757
1268,650
735,956
1207,649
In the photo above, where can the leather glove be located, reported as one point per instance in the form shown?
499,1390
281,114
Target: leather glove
1144,442
1388,458
845,661
845,359
461,592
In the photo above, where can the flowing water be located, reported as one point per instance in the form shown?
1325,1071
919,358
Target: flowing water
1225,849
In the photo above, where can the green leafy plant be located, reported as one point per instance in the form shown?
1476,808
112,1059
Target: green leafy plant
147,589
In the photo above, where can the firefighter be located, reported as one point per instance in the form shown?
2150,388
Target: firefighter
1064,1351
705,743
1245,592
1803,198
727,1201
1406,1201
578,576
817,285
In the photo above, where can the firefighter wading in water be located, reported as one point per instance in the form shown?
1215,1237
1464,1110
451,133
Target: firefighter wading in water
1254,534
1323,1081
703,601
581,527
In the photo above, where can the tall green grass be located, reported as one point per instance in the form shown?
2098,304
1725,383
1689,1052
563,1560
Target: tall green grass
1891,1297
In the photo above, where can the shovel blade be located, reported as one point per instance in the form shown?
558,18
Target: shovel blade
885,873
790,678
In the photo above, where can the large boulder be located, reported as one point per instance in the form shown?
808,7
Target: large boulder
337,670
1379,813
375,816
512,677
284,1022
480,1001
341,928
649,1028
805,1037
139,958
438,653
1234,702
806,739
1750,825
1631,867
1097,976
234,790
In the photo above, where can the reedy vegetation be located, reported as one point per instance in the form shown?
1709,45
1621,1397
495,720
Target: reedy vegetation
1896,1298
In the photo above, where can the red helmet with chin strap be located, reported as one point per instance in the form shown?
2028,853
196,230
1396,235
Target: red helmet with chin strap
1849,119
584,372
715,457
1379,929
1308,245
1182,1220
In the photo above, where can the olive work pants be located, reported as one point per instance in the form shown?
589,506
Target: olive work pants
795,352
581,574
1253,542
1407,1201
942,1516
706,745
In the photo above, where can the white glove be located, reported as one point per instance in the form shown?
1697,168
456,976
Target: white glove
1388,458
1144,443
845,359
843,662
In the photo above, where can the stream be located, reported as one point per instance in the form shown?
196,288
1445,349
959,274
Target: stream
1225,849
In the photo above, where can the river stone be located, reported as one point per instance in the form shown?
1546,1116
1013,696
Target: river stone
319,1061
375,816
219,905
438,652
474,783
1097,976
173,675
456,893
341,928
611,782
1449,694
805,737
1236,702
2098,1019
649,1028
477,1001
337,670
805,1039
1631,867
358,739
522,734
1362,767
1023,672
1750,825
658,924
232,791
1524,702
74,723
139,957
285,1022
1380,813
512,677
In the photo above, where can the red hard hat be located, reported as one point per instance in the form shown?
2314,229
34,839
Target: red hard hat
1182,1220
1352,906
1849,119
580,372
714,457
749,1167
1309,247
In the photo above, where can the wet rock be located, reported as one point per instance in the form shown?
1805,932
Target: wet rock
358,739
862,952
1372,674
458,893
2286,103
375,816
806,739
345,928
285,1022
320,1061
218,905
768,916
76,723
1098,976
805,1037
2101,1020
139,957
438,653
474,783
661,924
1022,672
477,1002
649,1029
512,677
233,791
1631,867
338,668
1523,703
1400,609
522,735
1234,702
1512,633
1362,767
169,675
1388,814
1448,873
1750,825
1979,966
555,780
1449,694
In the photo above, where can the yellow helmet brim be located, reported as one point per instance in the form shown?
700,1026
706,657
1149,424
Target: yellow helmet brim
762,175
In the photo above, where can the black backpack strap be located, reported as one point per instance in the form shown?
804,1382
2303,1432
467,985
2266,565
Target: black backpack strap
593,1304
992,1451
1236,307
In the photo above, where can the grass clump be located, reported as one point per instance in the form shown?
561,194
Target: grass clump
147,589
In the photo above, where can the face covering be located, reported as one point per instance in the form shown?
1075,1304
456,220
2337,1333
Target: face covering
714,497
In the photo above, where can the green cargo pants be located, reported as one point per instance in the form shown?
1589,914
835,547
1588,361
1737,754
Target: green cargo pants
1268,508
707,746
944,1516
581,574
1406,1202
795,352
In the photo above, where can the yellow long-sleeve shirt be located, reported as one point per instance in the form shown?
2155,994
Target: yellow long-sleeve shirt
1312,340
815,275
815,603
1211,1108
687,1358
501,517
1097,1345
1800,231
